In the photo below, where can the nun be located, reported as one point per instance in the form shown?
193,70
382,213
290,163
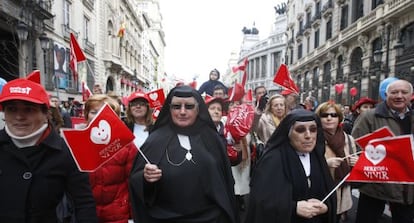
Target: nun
183,173
292,178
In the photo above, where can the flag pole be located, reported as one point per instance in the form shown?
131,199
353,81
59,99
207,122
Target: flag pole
337,186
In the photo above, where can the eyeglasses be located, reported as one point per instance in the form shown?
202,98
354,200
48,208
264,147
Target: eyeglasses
179,106
325,115
136,103
302,129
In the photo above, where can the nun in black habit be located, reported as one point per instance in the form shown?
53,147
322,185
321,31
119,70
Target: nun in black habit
292,177
189,177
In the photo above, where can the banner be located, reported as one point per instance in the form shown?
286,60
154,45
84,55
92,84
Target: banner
104,137
386,160
283,79
76,56
156,98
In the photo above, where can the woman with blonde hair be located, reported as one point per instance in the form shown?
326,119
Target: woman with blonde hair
273,114
339,150
110,182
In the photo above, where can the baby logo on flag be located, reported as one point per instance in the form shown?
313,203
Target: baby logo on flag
157,98
386,160
102,139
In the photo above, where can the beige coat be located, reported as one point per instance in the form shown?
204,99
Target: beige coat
265,127
343,194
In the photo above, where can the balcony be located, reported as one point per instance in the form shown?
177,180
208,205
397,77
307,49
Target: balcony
327,9
316,20
89,4
42,9
66,29
89,46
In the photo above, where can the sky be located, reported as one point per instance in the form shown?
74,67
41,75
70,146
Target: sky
200,35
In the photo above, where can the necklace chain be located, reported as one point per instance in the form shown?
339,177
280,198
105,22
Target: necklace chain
178,164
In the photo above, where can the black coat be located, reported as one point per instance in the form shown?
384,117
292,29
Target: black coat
279,181
191,191
34,179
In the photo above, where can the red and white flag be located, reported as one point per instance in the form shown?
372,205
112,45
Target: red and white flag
242,67
282,78
156,98
377,134
34,76
76,56
104,137
86,92
386,160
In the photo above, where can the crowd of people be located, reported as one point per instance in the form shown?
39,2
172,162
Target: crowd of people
181,166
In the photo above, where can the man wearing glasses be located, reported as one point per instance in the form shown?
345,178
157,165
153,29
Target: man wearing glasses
394,112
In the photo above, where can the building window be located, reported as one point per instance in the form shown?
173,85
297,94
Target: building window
306,81
376,3
316,43
66,13
344,17
264,66
358,10
300,51
307,45
86,27
329,29
317,8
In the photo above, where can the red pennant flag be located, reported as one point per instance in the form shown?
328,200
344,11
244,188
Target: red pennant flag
283,79
193,84
100,141
76,56
386,160
86,92
34,76
241,67
156,98
78,122
377,134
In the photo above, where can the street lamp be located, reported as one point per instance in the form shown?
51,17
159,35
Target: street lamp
22,31
44,41
377,56
45,45
399,49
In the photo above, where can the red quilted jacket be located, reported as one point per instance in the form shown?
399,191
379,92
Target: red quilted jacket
110,187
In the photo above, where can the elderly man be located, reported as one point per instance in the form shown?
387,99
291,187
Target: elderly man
394,112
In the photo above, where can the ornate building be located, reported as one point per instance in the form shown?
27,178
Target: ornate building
357,43
122,40
264,56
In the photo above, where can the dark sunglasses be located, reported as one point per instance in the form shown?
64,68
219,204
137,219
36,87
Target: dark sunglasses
325,115
302,129
179,106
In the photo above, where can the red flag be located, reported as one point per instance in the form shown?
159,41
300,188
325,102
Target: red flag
377,134
386,160
121,31
283,79
155,112
241,67
76,56
86,92
193,84
34,76
156,98
100,141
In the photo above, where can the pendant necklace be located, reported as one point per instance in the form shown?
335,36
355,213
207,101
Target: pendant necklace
185,143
